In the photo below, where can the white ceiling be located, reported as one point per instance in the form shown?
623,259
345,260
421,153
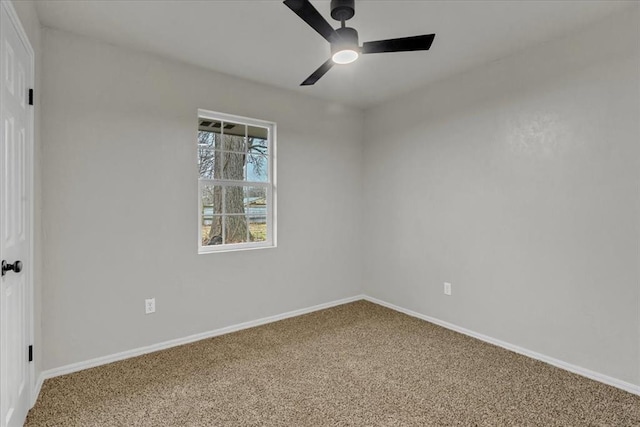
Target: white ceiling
264,41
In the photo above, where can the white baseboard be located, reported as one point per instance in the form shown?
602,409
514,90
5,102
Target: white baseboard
631,388
75,367
36,388
98,361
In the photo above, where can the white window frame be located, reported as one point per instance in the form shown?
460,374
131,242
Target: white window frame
270,185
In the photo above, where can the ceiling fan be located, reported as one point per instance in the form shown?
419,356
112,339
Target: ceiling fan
344,40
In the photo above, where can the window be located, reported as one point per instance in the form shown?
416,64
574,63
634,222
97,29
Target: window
236,182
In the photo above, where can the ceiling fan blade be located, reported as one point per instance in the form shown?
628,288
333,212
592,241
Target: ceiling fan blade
313,78
309,14
404,44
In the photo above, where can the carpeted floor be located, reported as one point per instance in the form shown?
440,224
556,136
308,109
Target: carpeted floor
354,365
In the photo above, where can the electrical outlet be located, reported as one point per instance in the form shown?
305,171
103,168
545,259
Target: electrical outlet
447,288
149,306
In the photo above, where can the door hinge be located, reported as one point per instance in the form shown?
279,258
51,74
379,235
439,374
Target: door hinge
30,353
30,96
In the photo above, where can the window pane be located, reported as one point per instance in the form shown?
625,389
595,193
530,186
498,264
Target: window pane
211,200
256,201
234,129
257,168
258,228
258,146
235,199
212,230
233,143
207,139
233,165
235,229
259,134
207,162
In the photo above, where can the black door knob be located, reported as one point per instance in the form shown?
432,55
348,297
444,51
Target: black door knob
16,267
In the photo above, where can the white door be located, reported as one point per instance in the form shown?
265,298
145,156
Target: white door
15,219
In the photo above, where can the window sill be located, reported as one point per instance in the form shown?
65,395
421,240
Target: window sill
220,249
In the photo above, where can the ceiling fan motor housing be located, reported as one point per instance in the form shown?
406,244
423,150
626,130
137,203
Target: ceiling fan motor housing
348,40
345,46
342,10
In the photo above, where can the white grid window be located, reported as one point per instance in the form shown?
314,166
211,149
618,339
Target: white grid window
236,184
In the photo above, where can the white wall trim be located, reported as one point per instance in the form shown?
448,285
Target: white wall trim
103,360
37,387
75,367
631,388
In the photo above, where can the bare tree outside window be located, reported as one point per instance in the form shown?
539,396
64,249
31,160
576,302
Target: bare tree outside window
233,156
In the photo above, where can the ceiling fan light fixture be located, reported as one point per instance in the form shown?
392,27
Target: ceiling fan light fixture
345,56
347,49
345,46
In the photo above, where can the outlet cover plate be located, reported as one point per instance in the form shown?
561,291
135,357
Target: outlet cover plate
149,306
447,288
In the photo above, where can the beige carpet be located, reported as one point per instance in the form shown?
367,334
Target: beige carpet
354,365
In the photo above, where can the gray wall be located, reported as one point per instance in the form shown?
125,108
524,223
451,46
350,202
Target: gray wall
518,183
26,11
120,202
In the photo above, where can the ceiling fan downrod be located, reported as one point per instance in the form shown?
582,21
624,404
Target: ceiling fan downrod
345,46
